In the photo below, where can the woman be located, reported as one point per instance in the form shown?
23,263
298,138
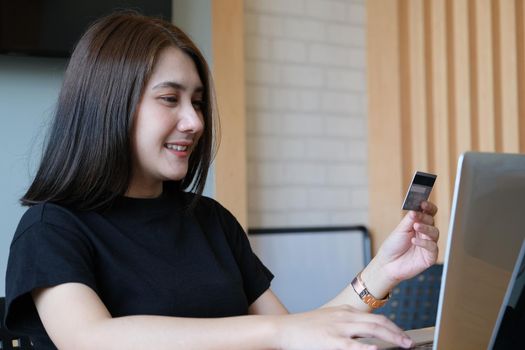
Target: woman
115,253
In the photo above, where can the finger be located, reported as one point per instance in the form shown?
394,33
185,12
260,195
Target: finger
427,244
356,345
378,319
429,208
375,330
424,218
428,230
407,221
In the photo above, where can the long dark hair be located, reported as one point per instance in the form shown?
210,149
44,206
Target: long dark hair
87,159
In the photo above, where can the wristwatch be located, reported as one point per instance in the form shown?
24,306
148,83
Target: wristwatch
363,293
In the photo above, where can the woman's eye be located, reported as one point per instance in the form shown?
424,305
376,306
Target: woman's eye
169,99
198,105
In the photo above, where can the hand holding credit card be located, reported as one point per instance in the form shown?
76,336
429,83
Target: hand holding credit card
419,190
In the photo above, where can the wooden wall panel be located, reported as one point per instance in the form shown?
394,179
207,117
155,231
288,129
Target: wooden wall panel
439,116
508,77
228,72
385,172
460,88
417,81
485,75
520,41
444,77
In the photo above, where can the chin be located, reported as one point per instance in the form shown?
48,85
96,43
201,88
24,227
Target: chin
178,176
174,178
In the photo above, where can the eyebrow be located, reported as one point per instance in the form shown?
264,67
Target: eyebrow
176,86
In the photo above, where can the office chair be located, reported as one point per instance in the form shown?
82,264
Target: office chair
414,302
9,340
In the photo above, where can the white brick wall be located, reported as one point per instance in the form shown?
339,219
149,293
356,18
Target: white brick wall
306,112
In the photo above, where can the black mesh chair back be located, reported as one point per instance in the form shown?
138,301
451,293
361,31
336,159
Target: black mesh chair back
414,302
9,340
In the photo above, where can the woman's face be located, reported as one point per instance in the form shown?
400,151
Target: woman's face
168,124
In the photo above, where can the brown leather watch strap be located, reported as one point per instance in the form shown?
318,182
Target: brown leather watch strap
363,293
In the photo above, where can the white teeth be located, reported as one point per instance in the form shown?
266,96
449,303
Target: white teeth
178,148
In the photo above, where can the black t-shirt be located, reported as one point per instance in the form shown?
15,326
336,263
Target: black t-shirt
142,257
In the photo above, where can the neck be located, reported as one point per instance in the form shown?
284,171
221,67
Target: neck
144,190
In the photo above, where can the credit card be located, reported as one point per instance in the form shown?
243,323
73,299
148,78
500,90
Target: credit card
419,190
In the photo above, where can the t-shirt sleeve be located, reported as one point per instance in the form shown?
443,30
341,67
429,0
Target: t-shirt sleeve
43,255
256,277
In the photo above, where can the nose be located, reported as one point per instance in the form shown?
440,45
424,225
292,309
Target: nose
190,120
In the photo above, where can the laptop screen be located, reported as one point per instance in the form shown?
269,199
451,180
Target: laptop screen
485,236
511,321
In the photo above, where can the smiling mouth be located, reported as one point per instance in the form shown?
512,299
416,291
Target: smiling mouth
178,148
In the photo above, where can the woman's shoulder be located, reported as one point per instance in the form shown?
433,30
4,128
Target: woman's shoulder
204,204
42,214
209,209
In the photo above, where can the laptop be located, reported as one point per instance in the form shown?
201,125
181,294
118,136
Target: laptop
485,235
507,333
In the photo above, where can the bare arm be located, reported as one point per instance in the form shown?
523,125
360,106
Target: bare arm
75,318
377,283
267,304
408,250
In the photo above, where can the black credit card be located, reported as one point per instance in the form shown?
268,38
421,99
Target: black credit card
419,190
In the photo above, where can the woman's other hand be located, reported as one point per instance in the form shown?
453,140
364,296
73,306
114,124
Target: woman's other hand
336,328
411,247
